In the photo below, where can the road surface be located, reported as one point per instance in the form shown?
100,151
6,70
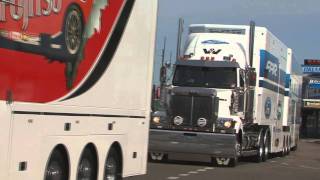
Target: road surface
303,164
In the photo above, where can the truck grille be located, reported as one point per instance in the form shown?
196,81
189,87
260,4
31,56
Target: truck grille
191,107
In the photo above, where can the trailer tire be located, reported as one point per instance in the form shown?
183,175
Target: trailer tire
58,165
288,145
112,167
88,165
284,148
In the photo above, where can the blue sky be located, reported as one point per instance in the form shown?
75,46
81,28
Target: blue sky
294,22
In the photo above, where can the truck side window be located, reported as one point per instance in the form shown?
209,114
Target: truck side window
242,78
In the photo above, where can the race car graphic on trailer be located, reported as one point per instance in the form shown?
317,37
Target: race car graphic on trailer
55,29
56,44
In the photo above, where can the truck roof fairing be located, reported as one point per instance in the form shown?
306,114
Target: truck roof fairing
198,63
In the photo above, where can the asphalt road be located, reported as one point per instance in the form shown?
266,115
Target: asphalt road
303,164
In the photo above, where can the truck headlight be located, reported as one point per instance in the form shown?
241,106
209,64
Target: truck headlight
227,124
156,120
202,122
178,120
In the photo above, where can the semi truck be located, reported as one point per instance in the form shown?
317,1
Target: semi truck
98,127
230,97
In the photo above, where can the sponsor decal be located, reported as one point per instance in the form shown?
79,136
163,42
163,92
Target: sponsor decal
311,69
272,68
49,46
267,107
25,9
213,42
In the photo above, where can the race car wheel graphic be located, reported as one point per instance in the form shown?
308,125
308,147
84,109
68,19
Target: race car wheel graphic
73,30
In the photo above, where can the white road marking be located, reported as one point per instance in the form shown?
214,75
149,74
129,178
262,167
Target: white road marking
172,178
201,170
209,168
193,172
309,167
273,161
184,175
285,164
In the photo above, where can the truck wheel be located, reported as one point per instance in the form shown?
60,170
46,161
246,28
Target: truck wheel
112,170
233,162
259,156
266,146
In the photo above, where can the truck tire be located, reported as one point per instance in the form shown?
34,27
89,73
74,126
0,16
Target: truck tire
87,168
233,162
260,149
266,145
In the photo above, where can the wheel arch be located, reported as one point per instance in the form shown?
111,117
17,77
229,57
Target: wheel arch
117,146
66,157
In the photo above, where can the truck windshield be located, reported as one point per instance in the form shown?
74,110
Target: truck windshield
211,77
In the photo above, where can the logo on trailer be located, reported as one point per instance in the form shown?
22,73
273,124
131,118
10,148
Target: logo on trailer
267,107
272,68
25,9
279,111
212,51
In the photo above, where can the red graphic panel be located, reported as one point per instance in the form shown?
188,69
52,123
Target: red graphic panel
48,47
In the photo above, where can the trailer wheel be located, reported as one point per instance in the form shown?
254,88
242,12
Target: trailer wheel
88,168
112,167
284,148
288,145
58,166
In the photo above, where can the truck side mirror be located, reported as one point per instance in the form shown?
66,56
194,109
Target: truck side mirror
252,76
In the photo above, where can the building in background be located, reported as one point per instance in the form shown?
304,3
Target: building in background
310,126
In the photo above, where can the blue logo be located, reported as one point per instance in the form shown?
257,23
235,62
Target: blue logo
267,107
279,111
213,42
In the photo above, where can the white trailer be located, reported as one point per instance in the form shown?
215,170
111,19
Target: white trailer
227,97
96,127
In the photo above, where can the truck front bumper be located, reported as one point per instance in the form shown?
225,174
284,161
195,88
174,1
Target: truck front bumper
213,144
